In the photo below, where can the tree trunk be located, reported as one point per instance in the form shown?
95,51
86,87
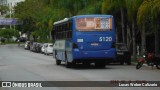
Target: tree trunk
128,36
143,37
28,35
122,23
157,46
134,43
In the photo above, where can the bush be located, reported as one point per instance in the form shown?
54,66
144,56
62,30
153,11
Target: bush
8,33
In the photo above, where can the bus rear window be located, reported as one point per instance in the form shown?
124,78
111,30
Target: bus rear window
93,24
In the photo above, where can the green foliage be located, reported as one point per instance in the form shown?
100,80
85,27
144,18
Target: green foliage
132,8
149,11
38,15
3,9
143,10
8,33
94,8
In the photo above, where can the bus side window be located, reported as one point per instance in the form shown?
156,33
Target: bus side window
54,33
65,32
70,30
60,32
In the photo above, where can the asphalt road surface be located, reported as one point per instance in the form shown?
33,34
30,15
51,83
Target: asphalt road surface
17,64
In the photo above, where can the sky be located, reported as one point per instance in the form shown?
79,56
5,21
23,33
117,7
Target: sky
14,1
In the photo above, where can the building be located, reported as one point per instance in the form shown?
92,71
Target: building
3,2
10,4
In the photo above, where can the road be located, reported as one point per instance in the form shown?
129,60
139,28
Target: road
17,64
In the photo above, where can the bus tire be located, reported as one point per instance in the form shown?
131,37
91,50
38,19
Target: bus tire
68,64
58,62
100,64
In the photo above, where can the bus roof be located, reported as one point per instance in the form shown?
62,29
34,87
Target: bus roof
61,21
97,15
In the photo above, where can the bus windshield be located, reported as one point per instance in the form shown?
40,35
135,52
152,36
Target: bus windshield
94,24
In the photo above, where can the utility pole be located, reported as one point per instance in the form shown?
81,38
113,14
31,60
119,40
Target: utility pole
10,13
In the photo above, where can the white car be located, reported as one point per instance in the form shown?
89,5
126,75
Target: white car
48,49
43,47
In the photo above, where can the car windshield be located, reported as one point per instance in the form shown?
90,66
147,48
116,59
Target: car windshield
50,45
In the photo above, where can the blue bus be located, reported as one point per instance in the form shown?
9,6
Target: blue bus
84,39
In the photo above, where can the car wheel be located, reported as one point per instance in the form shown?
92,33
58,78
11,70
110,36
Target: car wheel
121,62
128,63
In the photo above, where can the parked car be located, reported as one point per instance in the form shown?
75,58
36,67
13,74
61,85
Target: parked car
38,47
27,45
48,49
123,54
22,39
33,47
43,47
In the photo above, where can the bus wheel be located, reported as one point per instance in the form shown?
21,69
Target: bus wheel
58,62
100,64
68,64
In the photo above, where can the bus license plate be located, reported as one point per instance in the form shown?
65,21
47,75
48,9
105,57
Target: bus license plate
94,44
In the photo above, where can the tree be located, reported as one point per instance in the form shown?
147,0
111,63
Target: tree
3,9
30,12
150,9
142,16
91,7
155,11
118,6
132,8
8,33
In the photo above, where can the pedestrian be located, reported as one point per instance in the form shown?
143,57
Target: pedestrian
18,42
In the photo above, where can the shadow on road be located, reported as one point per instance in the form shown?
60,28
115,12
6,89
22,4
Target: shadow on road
85,67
